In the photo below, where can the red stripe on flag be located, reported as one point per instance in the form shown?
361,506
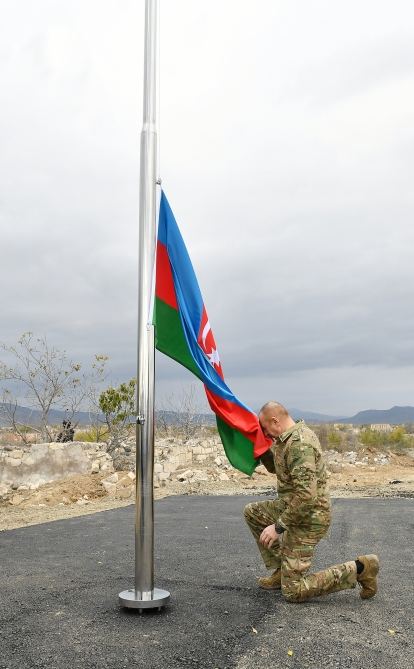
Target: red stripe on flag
240,419
164,283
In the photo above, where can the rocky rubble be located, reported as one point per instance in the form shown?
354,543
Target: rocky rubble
119,484
336,461
191,466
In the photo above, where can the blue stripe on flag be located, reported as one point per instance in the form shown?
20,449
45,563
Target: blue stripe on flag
190,301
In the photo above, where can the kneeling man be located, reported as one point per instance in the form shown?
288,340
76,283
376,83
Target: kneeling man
287,529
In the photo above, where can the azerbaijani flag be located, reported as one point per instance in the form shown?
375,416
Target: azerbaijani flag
183,332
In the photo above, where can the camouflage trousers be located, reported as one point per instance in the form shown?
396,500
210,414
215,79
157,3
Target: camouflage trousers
293,553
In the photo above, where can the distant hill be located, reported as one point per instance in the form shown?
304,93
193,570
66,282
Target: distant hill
394,416
313,417
175,418
28,416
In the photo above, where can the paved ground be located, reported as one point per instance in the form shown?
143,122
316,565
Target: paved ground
60,582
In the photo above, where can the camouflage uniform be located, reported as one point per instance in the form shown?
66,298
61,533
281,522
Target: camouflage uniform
303,509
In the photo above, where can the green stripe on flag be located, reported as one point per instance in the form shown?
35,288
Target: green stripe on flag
169,335
238,448
170,339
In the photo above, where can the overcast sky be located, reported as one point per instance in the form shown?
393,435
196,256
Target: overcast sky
287,155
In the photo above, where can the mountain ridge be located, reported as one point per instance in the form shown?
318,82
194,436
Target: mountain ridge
397,415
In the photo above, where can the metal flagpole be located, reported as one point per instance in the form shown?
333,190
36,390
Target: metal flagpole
144,595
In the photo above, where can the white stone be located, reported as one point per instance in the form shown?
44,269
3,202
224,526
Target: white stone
13,462
261,469
199,475
16,500
107,467
114,478
125,493
23,487
110,488
218,462
16,454
335,467
170,467
95,467
350,457
158,468
39,450
131,475
163,476
223,477
183,476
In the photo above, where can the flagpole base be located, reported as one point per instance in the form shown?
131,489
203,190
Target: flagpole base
129,599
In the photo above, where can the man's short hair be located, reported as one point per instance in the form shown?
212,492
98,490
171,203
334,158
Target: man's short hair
276,407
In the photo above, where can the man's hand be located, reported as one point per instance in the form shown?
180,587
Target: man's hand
268,536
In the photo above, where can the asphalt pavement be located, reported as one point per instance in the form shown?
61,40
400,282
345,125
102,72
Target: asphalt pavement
60,582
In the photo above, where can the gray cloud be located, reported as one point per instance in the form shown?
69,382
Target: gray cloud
286,152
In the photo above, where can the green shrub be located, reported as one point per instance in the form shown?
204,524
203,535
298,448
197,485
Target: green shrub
92,434
334,439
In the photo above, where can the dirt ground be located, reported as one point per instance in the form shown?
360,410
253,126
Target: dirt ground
84,494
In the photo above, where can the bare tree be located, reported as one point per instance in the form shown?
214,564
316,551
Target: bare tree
10,416
46,378
93,392
182,413
322,433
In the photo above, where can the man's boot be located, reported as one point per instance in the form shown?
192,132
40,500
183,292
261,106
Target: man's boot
272,582
367,579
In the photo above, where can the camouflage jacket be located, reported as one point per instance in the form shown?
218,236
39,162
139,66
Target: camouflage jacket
296,458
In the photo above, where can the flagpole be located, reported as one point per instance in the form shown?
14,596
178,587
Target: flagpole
144,595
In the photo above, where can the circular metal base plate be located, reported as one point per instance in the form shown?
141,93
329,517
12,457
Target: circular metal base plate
159,599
